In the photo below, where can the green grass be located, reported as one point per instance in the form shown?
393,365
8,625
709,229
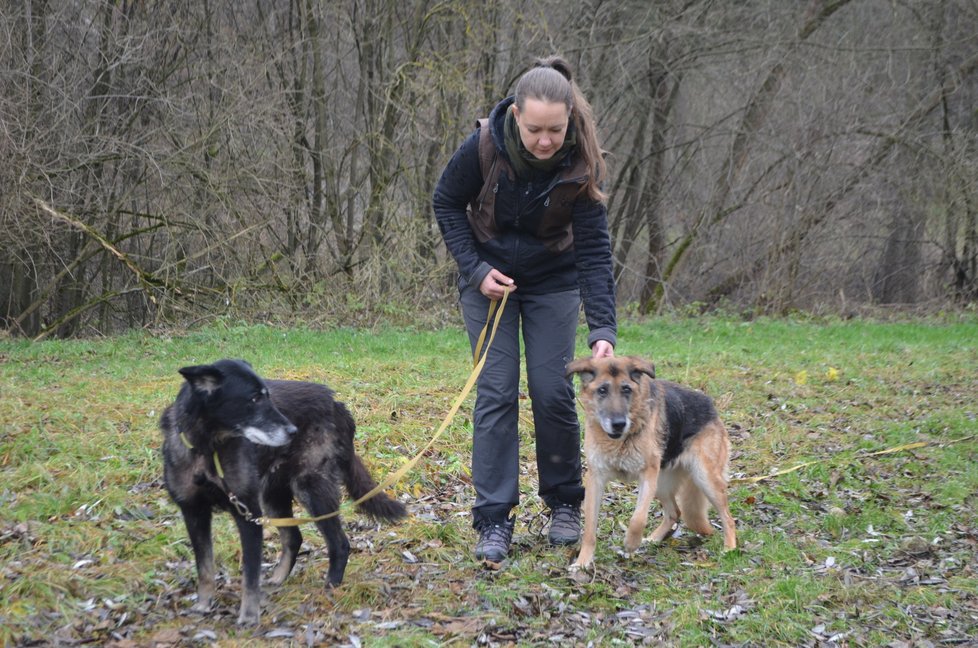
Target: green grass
867,549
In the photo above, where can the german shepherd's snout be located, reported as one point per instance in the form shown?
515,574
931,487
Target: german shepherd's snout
619,425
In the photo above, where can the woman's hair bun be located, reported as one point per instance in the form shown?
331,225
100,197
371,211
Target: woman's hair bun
558,64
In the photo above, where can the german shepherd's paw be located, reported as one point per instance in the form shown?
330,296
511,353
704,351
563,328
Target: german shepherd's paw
581,573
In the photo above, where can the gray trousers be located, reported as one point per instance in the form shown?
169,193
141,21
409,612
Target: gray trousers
549,325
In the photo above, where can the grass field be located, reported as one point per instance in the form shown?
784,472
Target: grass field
850,549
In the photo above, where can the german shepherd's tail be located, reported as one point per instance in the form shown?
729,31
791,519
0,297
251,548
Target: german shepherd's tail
381,506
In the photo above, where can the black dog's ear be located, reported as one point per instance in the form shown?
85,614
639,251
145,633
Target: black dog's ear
583,368
641,366
203,378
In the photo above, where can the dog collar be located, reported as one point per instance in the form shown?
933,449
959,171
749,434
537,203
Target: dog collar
217,462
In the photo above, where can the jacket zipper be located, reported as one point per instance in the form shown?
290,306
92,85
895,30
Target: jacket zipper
546,192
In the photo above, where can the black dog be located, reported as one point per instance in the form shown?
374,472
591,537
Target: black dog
234,441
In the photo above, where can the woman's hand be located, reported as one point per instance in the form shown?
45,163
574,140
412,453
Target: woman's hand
602,349
496,284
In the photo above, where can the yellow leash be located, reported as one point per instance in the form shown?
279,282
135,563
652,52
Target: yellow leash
392,478
482,334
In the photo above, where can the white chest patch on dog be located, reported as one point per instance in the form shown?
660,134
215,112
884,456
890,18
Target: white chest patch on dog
626,466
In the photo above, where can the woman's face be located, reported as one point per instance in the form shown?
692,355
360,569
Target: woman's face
542,126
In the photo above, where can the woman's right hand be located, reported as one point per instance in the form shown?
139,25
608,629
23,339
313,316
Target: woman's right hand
496,284
602,349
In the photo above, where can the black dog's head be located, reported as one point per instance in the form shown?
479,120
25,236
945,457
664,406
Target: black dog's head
234,398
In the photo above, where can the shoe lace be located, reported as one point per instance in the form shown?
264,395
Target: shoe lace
493,533
565,514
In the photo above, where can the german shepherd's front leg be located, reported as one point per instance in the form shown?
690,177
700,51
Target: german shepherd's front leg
593,492
251,542
646,493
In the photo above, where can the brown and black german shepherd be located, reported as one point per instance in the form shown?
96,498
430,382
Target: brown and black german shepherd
666,436
236,442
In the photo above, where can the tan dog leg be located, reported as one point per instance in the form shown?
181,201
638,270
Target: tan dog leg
718,498
693,507
713,448
593,492
670,516
646,493
714,488
670,481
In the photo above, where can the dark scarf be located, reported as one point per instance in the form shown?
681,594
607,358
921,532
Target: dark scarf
524,163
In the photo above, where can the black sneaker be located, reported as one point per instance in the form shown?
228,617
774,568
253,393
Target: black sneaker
565,524
494,541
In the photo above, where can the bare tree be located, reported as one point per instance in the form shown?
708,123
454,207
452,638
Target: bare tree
172,162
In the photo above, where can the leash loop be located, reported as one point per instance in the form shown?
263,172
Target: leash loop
242,509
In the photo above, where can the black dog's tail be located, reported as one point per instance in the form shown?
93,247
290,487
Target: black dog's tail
380,506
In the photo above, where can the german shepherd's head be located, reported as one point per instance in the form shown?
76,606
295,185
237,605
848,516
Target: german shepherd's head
608,387
230,396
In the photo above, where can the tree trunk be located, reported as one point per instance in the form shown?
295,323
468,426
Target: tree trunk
755,113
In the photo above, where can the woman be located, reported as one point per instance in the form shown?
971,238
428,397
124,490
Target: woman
521,210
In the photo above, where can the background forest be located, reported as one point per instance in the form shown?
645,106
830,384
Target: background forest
168,162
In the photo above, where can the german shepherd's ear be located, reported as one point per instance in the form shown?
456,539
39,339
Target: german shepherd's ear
583,368
203,378
640,366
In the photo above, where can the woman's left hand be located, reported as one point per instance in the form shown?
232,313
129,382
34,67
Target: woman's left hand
602,349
